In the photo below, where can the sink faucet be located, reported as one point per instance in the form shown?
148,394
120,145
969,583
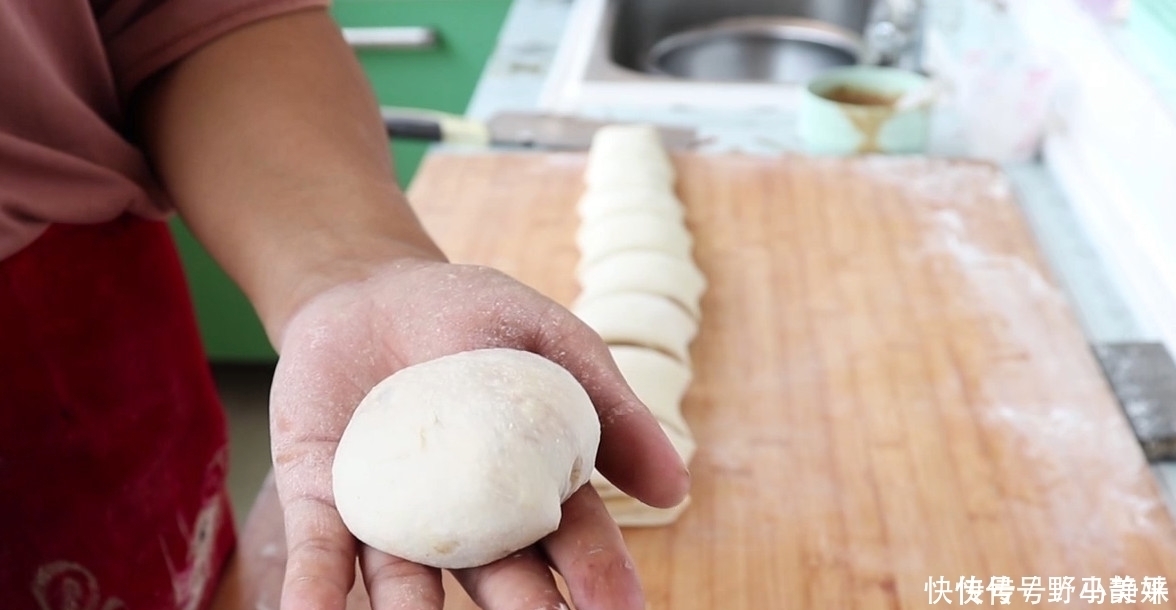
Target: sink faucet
892,33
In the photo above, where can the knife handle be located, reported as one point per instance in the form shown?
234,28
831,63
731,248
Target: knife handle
413,129
434,126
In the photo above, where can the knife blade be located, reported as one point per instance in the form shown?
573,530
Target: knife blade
514,129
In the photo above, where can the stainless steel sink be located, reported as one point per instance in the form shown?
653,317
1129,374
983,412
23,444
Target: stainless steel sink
745,55
751,41
754,49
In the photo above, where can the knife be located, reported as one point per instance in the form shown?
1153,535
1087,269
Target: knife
527,129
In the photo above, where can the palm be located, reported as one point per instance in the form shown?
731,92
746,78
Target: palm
352,337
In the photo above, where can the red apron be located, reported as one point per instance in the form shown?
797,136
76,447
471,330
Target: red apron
113,445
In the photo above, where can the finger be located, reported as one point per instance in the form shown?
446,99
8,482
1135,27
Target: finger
521,581
320,565
398,584
261,549
357,599
590,553
635,453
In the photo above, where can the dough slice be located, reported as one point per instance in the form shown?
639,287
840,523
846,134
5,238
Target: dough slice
595,204
660,382
635,318
647,271
631,230
628,155
630,512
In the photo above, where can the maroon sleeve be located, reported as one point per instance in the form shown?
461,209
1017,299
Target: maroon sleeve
145,36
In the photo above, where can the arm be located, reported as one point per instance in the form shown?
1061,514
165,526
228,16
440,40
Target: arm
272,147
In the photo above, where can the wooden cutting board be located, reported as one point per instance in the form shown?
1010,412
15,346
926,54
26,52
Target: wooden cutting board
890,387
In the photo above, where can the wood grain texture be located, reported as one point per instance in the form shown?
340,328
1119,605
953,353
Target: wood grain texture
889,386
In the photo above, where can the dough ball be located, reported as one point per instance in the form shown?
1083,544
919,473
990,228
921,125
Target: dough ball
648,271
628,155
632,230
637,318
462,460
597,204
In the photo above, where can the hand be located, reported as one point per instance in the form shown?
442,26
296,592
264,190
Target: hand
338,345
252,579
250,134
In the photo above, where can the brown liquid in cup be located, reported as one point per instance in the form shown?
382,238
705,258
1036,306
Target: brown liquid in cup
849,95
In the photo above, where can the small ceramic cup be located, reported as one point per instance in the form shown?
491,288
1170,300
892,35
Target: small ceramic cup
851,110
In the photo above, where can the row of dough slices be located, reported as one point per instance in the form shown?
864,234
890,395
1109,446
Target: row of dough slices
640,288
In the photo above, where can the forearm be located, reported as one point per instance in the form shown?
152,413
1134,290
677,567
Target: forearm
271,145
